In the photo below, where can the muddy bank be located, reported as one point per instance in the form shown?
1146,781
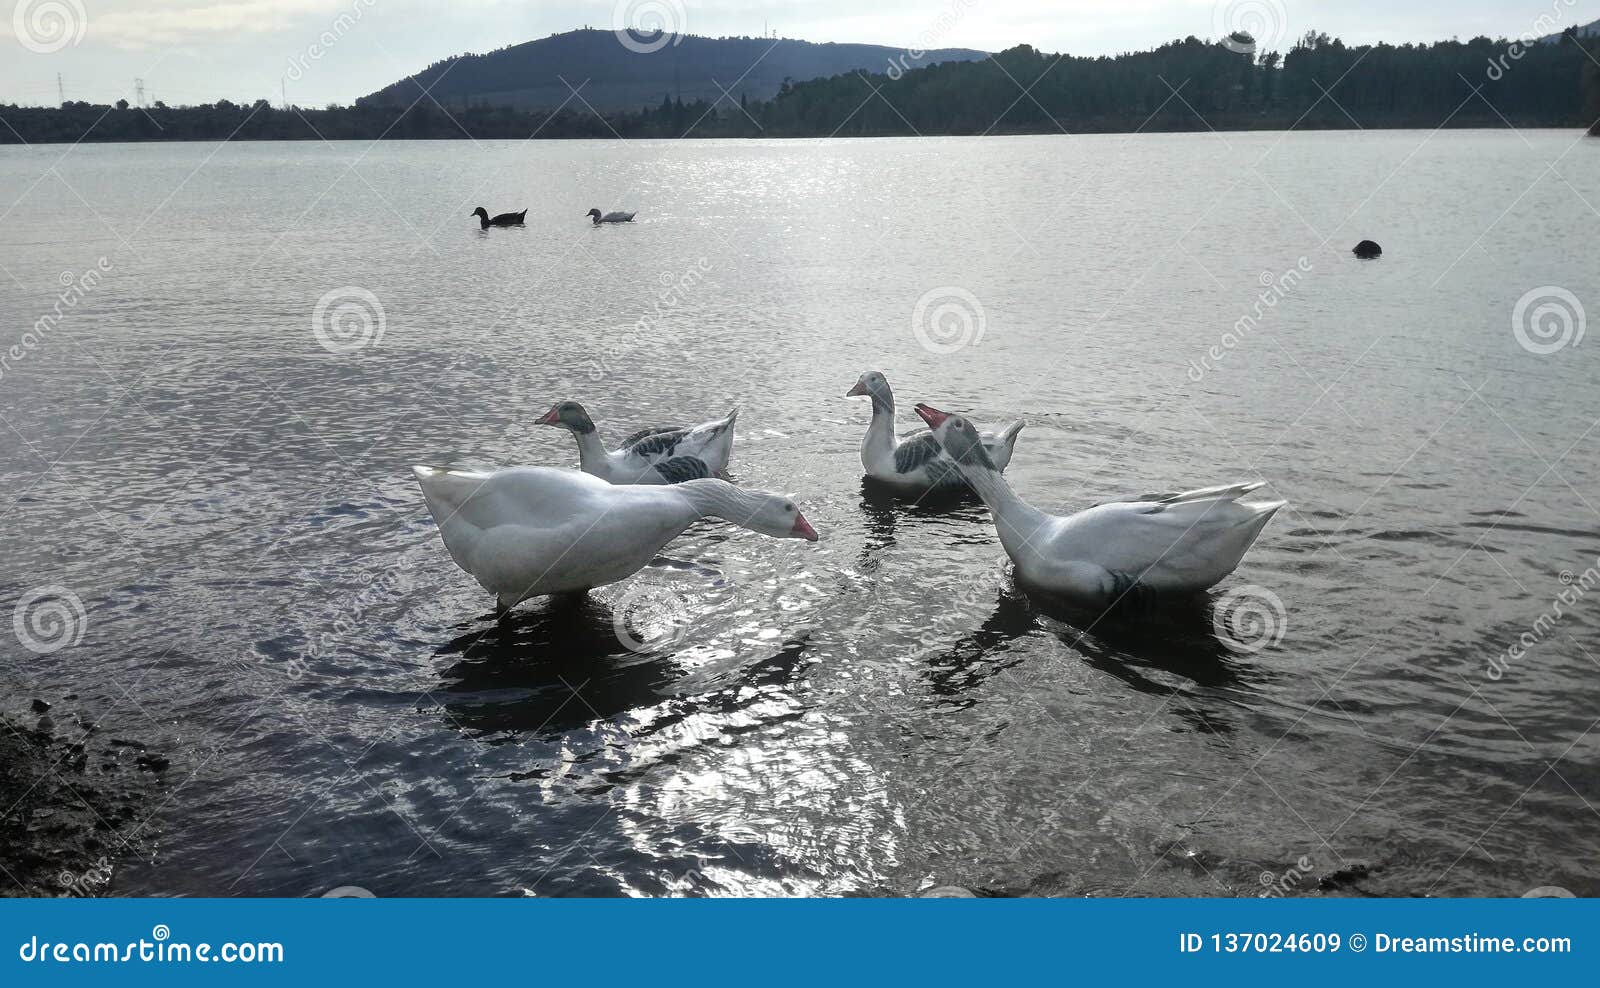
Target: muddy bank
72,800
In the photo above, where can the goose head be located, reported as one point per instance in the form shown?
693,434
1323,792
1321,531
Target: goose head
958,437
874,385
778,516
567,415
481,212
593,214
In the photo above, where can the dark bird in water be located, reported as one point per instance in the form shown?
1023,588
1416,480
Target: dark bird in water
504,219
613,217
1367,249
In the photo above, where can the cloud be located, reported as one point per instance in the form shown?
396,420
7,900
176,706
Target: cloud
160,23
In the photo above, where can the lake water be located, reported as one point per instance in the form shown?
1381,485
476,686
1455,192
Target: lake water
267,601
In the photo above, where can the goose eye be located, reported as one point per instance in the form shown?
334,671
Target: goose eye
788,506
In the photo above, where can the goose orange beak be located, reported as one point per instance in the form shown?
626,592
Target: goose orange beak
931,415
802,529
857,391
548,418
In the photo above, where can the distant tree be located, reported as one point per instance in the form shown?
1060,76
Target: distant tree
122,104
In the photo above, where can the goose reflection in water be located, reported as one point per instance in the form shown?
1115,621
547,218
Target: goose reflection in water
550,668
1170,652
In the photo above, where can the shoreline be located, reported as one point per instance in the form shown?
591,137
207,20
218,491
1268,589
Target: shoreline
8,139
67,795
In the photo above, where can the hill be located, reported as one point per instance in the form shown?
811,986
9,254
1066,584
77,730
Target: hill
1589,30
688,67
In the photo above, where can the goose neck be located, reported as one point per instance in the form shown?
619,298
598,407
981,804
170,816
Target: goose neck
718,499
591,452
1015,520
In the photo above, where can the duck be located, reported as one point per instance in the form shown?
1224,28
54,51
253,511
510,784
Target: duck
504,219
525,532
1179,543
662,455
915,463
613,217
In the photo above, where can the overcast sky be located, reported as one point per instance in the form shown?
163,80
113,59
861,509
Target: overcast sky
197,51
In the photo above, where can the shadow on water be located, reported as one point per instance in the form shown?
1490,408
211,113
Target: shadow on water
1167,648
875,494
549,668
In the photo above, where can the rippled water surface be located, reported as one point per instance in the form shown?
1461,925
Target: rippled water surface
267,600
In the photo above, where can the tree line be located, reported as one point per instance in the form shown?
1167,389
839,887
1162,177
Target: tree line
1184,85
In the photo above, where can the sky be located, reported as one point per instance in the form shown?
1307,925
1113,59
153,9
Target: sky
332,51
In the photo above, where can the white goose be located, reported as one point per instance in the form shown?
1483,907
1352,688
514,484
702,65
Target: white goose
1166,543
530,531
650,456
616,216
915,463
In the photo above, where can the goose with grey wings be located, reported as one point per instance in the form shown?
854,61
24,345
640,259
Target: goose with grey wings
1167,543
531,531
661,455
915,463
616,216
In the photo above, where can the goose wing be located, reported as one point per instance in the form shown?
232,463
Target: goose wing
1184,541
678,469
916,451
1224,492
653,442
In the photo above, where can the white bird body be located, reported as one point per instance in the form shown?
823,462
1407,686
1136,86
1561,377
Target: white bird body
650,456
916,462
529,531
1167,543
